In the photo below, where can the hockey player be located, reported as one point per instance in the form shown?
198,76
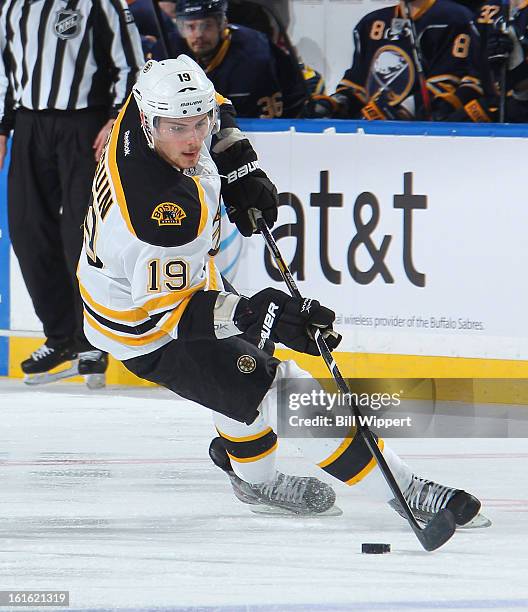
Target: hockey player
422,68
155,300
149,24
504,36
65,71
243,64
272,17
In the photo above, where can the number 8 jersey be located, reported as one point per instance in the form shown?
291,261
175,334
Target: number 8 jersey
151,233
383,65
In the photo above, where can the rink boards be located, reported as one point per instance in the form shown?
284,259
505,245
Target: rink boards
413,233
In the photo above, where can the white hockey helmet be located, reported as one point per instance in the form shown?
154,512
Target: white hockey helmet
176,88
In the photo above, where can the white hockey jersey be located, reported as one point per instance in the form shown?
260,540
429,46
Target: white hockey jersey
151,233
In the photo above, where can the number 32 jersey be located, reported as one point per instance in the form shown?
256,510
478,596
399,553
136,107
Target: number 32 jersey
151,233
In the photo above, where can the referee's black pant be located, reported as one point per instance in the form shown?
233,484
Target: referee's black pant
49,186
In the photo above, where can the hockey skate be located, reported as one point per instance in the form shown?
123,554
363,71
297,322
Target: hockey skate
37,368
284,495
92,365
426,498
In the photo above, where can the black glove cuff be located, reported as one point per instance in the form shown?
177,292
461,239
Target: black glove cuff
238,156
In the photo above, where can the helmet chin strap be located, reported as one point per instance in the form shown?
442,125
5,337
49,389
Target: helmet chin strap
146,130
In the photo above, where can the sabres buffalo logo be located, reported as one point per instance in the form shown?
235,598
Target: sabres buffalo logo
168,213
391,75
67,23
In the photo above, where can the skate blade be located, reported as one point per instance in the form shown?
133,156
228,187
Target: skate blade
95,381
478,522
262,509
49,377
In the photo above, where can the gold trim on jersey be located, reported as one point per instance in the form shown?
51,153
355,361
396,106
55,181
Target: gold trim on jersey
213,280
451,99
473,82
257,457
135,315
114,170
419,13
142,313
338,452
204,210
221,100
245,438
442,78
175,317
368,468
128,340
166,301
350,84
221,53
359,91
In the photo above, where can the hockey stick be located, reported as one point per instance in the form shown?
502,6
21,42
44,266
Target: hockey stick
506,15
418,61
442,526
163,39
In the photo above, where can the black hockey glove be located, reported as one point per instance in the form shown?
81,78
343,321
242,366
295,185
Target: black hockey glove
504,46
441,110
273,315
499,47
245,186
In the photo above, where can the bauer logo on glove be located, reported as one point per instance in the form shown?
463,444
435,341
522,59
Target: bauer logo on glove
274,315
241,172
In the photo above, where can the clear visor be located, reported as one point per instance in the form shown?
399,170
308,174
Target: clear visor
177,129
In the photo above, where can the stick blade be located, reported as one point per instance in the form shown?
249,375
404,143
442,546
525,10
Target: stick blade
438,530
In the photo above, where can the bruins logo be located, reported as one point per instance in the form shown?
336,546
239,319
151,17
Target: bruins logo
246,364
168,213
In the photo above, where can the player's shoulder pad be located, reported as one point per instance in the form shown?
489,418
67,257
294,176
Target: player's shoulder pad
245,40
453,13
173,217
385,14
161,205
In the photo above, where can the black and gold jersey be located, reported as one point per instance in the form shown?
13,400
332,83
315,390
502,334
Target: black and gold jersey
151,233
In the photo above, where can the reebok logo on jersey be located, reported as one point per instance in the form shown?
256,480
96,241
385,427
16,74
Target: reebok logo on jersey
126,143
168,213
267,326
242,171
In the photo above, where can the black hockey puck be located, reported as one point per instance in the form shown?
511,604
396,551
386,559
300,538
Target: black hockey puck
375,549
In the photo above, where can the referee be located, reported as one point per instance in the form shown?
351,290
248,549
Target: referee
67,67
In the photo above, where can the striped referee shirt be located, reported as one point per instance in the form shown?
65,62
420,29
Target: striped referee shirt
66,55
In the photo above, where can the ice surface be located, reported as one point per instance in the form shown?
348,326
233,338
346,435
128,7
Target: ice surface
111,495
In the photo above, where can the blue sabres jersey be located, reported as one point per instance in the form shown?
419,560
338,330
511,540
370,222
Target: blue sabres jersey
488,20
243,70
383,62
